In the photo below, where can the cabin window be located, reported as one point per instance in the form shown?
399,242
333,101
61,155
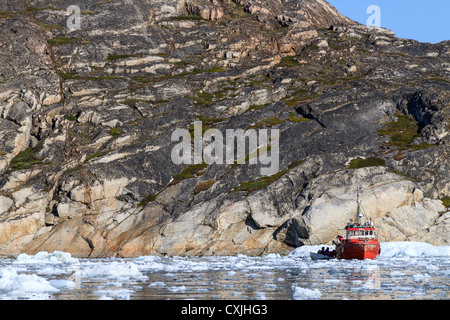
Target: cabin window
360,233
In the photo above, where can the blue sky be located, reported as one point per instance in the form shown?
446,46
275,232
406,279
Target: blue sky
426,21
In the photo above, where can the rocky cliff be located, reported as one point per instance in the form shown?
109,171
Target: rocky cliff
87,116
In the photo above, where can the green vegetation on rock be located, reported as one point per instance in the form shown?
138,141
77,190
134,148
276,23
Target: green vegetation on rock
263,182
189,172
402,133
27,158
446,201
369,162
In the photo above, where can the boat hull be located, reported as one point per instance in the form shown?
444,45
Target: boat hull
358,250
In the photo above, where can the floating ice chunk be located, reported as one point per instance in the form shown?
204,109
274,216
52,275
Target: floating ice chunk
333,281
253,268
319,264
397,274
177,289
259,295
121,294
170,274
272,256
147,259
52,270
200,266
431,267
150,263
14,284
63,284
114,284
413,249
113,270
421,277
44,257
305,294
157,284
369,266
369,284
419,292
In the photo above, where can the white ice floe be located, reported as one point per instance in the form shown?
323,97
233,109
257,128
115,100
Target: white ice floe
305,294
112,270
403,268
57,257
418,277
177,289
157,284
397,274
13,284
259,295
413,249
156,264
333,281
121,294
63,284
369,285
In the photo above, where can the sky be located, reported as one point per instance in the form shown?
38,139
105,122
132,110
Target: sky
425,21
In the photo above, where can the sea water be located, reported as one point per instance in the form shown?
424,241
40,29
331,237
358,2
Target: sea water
404,270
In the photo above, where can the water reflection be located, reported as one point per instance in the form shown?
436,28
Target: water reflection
243,278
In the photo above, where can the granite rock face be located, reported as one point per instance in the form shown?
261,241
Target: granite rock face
87,117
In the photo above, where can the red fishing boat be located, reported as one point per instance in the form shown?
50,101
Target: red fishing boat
360,242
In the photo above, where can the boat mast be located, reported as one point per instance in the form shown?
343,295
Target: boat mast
358,210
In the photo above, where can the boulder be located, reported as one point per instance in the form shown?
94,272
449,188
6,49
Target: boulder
5,204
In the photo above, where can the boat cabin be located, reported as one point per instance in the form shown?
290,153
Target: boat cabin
360,231
357,233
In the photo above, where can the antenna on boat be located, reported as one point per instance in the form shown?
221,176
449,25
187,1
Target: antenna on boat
358,208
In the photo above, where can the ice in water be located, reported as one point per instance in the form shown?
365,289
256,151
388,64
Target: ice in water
405,270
